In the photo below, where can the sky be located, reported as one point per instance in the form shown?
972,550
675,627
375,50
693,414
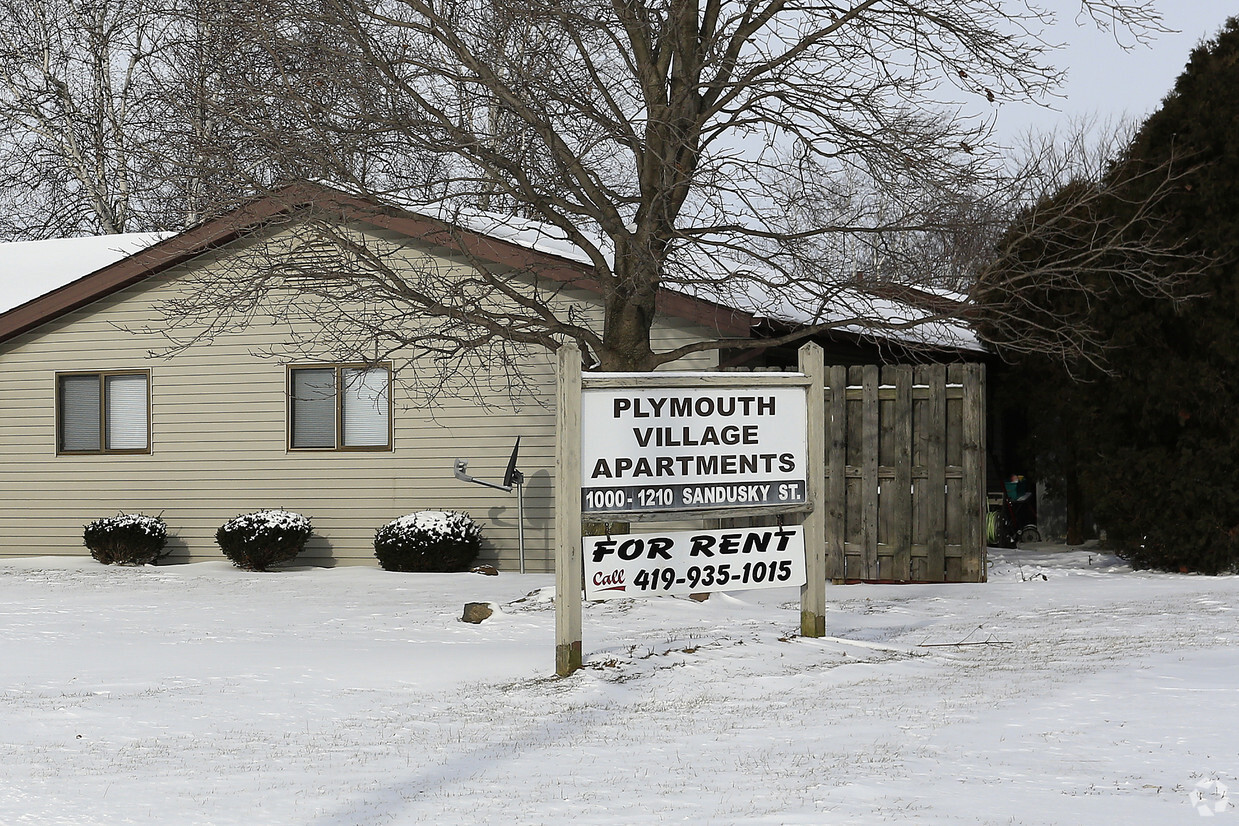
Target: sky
1104,79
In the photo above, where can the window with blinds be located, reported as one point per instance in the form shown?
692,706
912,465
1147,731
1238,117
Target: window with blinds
103,413
339,407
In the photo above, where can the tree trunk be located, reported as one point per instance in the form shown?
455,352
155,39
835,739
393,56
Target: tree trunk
630,308
1079,516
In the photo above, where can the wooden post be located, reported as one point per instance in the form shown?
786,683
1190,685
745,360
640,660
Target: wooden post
813,593
568,571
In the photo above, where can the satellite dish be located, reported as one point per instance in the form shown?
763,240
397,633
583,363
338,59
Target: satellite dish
509,476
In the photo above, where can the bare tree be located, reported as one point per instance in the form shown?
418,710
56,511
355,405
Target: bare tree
74,114
1082,224
760,153
193,157
123,115
104,126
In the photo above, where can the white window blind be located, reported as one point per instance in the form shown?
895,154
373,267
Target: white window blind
314,407
126,411
364,401
79,413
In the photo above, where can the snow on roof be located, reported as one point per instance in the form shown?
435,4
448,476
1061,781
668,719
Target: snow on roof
866,314
533,235
858,313
29,269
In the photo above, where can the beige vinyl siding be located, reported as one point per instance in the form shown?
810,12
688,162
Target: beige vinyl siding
219,444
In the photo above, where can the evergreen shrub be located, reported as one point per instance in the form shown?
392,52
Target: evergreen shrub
256,541
428,542
1149,445
126,539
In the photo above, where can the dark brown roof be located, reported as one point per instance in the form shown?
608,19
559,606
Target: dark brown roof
288,200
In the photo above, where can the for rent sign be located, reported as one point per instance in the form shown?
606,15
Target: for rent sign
686,562
678,449
665,446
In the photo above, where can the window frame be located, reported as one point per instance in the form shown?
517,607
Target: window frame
103,449
339,368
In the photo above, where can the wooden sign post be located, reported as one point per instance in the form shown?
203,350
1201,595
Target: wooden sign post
813,592
568,571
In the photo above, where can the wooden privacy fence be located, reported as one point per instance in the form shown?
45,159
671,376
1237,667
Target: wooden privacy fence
905,473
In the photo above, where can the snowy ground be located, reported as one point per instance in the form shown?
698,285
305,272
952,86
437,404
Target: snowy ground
201,694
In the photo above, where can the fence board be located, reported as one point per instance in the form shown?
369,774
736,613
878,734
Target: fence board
836,467
901,485
973,483
869,470
935,459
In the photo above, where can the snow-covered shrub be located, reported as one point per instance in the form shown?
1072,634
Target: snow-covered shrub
428,542
126,539
256,541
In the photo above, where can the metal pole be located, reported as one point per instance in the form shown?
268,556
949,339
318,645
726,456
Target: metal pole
520,518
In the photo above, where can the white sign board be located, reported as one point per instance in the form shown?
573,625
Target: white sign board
677,449
689,562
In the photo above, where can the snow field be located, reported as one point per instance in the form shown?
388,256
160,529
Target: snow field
200,694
